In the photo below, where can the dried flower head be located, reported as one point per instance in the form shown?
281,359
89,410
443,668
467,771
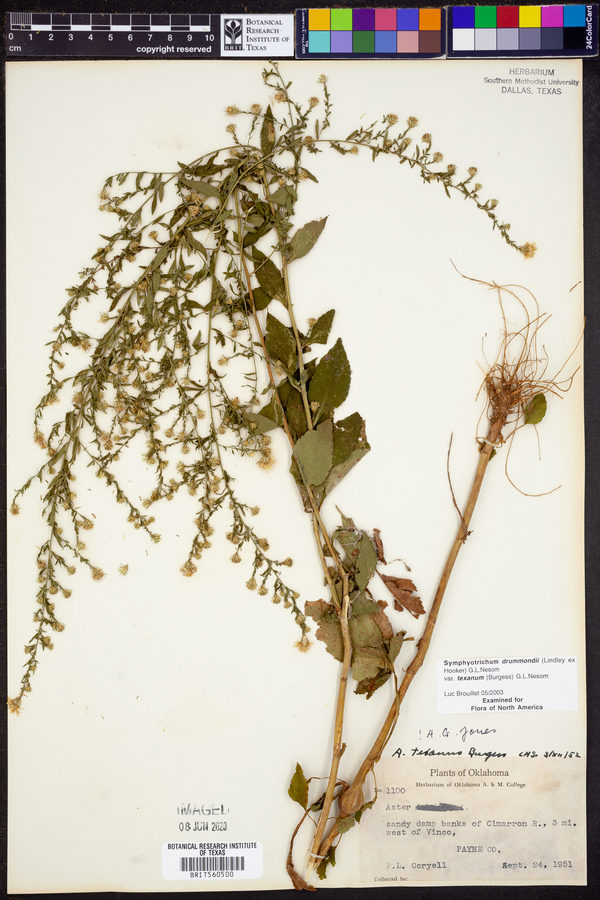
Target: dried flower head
14,705
528,250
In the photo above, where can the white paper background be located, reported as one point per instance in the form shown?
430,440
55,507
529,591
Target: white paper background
164,690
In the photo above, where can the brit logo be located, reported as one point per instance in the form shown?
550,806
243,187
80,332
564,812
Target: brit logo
233,34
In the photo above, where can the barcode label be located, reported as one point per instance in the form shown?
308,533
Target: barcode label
211,863
217,860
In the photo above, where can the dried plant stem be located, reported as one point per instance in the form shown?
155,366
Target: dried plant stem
323,542
314,506
321,534
353,796
338,746
290,311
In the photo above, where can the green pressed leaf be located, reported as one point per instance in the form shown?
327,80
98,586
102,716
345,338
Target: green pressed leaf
218,294
314,453
535,410
207,168
330,384
366,663
364,808
317,609
396,645
345,824
258,231
329,630
365,632
304,239
269,277
224,214
298,789
272,410
201,187
261,424
349,446
295,415
363,605
280,344
284,196
319,333
317,806
328,860
196,245
160,257
366,562
267,133
310,175
368,686
261,298
349,539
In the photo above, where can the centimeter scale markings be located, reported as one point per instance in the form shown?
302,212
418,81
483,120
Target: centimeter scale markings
121,35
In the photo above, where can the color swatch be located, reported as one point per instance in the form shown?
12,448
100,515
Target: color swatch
526,31
370,33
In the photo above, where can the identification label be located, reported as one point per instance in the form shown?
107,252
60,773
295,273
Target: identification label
257,36
216,860
508,684
510,821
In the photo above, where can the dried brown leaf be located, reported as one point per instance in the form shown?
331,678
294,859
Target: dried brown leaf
379,545
382,621
402,590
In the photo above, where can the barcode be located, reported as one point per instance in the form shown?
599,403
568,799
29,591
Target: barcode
211,863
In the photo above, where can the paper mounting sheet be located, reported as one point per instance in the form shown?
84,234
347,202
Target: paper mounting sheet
165,726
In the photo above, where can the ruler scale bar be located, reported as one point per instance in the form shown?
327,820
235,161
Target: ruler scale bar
113,22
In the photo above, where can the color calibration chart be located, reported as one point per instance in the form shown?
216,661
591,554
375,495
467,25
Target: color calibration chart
370,32
530,30
567,30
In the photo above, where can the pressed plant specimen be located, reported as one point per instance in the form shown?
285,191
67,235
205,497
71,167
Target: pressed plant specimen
201,357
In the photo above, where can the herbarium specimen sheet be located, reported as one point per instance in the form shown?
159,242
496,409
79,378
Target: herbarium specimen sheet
179,727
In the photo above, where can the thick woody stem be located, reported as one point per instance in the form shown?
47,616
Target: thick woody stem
338,746
355,790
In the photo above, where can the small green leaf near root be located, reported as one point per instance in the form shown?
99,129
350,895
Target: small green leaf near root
298,789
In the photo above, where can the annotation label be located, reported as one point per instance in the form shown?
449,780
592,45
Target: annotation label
507,684
452,822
